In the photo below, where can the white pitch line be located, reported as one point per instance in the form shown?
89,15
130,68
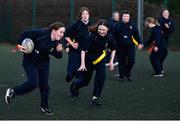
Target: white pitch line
3,85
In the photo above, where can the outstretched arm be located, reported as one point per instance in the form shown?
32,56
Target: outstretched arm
111,63
82,66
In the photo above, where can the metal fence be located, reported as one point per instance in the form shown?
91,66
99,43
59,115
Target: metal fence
18,15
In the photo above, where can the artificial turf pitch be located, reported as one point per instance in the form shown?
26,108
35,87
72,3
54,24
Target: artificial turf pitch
146,97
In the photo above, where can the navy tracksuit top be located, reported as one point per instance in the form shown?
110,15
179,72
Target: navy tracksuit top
123,34
156,37
95,44
112,24
43,46
78,32
166,31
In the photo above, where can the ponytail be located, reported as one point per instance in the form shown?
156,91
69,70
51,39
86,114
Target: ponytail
93,28
151,20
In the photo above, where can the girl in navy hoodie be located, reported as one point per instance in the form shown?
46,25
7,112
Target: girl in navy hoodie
167,26
36,64
158,50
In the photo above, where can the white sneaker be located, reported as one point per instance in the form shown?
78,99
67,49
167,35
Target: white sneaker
9,95
158,75
47,111
116,75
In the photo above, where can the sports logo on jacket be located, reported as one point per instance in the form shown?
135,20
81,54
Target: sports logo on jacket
130,27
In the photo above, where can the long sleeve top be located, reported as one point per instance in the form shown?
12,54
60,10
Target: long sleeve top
95,44
77,32
166,31
43,46
156,37
123,34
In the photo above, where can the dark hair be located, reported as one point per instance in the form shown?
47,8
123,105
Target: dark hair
56,26
164,9
125,12
93,28
83,9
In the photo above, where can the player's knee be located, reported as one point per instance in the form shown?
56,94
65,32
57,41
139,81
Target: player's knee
34,85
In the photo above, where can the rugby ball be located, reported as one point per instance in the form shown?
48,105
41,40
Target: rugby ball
28,44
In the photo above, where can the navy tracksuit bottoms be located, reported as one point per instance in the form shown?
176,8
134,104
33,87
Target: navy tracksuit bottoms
36,76
126,58
99,79
74,62
157,59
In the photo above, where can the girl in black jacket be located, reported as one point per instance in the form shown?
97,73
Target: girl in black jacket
93,58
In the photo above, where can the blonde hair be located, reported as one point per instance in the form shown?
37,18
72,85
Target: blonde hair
151,20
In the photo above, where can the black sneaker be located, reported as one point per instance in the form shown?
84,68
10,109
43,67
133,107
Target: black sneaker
47,111
95,102
121,79
68,79
9,95
74,91
129,79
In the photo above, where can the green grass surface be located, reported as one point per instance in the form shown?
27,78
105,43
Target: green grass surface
144,98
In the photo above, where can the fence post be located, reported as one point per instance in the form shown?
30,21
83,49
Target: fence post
166,3
140,10
71,11
33,13
113,5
